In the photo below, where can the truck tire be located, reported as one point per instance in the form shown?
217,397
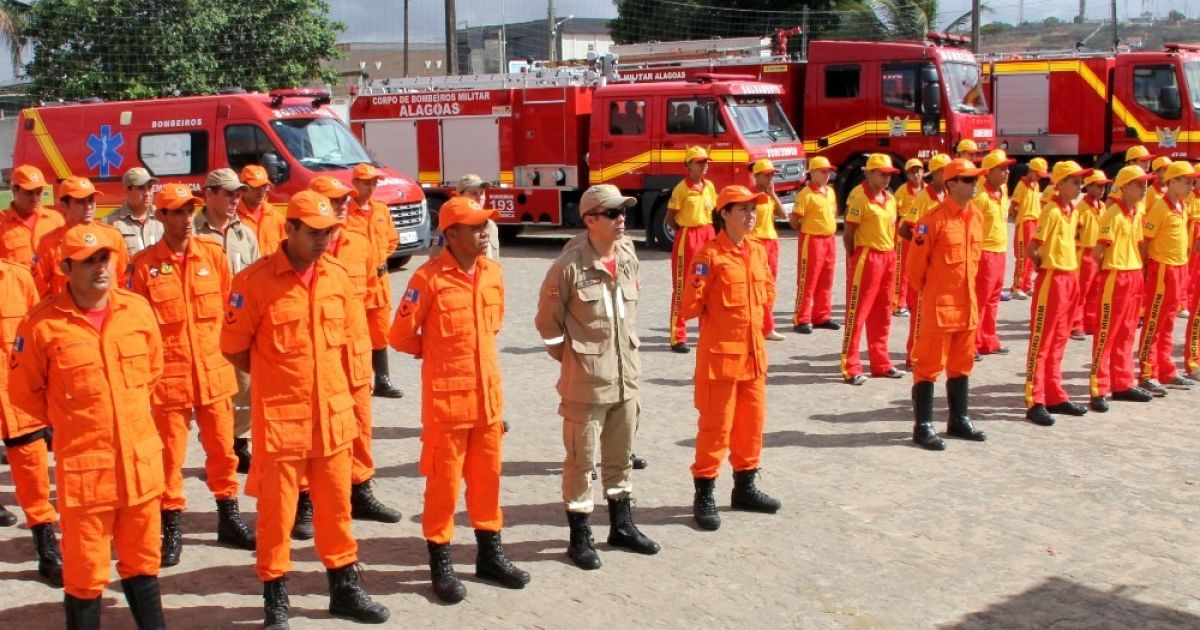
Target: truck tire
664,236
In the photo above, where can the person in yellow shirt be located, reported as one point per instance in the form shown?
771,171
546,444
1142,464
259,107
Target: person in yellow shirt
906,195
870,223
1158,189
1191,356
1086,317
1165,249
766,213
930,196
814,218
1026,208
967,149
1053,249
991,200
689,213
1141,157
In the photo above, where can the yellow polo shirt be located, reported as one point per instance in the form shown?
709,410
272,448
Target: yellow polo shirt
817,209
764,221
926,200
1153,194
906,196
992,205
1166,228
1088,230
1121,230
876,219
693,207
1027,197
1056,235
1047,194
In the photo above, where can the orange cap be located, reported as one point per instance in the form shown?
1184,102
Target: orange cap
366,170
28,177
738,194
174,195
82,241
76,188
881,162
313,209
254,175
463,210
961,168
330,186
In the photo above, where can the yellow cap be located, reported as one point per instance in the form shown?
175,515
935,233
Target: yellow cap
1161,161
1097,177
913,163
1131,174
820,163
1179,169
1039,167
695,153
939,162
966,144
996,159
1138,152
880,162
1068,168
763,166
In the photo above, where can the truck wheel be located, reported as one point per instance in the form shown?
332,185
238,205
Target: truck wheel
664,235
509,233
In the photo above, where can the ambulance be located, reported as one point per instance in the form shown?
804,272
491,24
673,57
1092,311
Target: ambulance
292,133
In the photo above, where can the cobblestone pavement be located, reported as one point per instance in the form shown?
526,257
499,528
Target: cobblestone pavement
1088,524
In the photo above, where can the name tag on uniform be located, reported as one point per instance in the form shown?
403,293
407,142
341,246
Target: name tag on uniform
582,284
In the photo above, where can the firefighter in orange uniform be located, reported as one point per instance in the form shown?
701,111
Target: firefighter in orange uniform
1120,296
255,212
371,218
1165,249
25,438
870,222
1026,208
930,195
814,218
945,267
1086,316
727,289
78,197
991,202
449,318
288,321
766,214
689,212
906,196
85,361
186,280
1053,249
25,222
361,261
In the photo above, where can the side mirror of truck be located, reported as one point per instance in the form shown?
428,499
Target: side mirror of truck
277,169
931,98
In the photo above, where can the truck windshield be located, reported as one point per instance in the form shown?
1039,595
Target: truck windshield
760,119
1191,69
320,143
963,89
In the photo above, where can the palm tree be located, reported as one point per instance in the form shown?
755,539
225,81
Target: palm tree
896,19
14,16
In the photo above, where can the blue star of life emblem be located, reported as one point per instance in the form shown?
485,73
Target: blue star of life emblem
105,155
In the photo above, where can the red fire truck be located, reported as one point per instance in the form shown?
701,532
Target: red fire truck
848,98
543,136
1091,107
293,133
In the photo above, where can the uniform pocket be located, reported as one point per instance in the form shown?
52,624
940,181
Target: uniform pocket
89,479
454,397
78,368
341,418
289,426
455,317
955,249
360,361
285,326
493,301
733,293
167,297
209,304
727,360
333,319
135,361
148,467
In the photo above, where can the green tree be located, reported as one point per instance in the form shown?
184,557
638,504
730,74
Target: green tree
120,49
13,18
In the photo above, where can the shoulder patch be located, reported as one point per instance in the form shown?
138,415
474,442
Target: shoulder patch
412,295
701,269
19,344
237,300
922,228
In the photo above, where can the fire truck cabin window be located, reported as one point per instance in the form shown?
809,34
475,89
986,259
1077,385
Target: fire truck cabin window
627,118
690,116
841,81
1155,88
246,144
900,87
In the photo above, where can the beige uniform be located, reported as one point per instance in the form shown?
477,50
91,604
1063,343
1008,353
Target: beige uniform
138,235
588,320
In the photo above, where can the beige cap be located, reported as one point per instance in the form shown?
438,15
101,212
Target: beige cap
603,196
224,178
469,181
137,176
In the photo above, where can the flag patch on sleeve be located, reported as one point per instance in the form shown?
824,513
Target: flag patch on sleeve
236,300
922,228
412,295
701,269
19,344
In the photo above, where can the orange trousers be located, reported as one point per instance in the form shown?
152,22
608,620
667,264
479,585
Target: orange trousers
215,421
447,456
88,536
276,484
936,350
29,460
362,465
379,322
732,414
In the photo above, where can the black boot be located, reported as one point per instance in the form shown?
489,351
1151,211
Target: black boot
746,495
958,397
7,519
302,528
639,463
923,433
275,604
492,564
704,508
172,537
82,614
446,585
231,530
383,381
365,507
348,599
241,448
623,533
145,602
45,543
582,550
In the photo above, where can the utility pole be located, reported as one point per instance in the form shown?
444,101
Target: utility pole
975,26
1116,35
405,37
451,39
553,30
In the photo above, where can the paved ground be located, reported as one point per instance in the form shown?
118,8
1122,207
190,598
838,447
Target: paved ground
1089,524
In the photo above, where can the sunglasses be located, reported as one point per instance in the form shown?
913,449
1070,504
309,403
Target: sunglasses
967,180
611,213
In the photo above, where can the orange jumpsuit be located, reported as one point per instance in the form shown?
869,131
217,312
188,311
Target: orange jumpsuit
927,199
47,269
267,222
19,242
93,388
359,259
375,223
188,296
23,436
946,250
728,287
301,406
450,320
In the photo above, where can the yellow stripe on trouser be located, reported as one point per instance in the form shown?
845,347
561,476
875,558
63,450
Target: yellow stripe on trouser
1020,258
899,274
801,277
1037,330
1192,355
852,309
1102,335
680,274
1150,329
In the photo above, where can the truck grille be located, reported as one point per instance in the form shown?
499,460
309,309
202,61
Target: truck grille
406,216
790,171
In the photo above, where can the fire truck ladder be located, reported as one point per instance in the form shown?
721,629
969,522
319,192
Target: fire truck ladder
562,76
